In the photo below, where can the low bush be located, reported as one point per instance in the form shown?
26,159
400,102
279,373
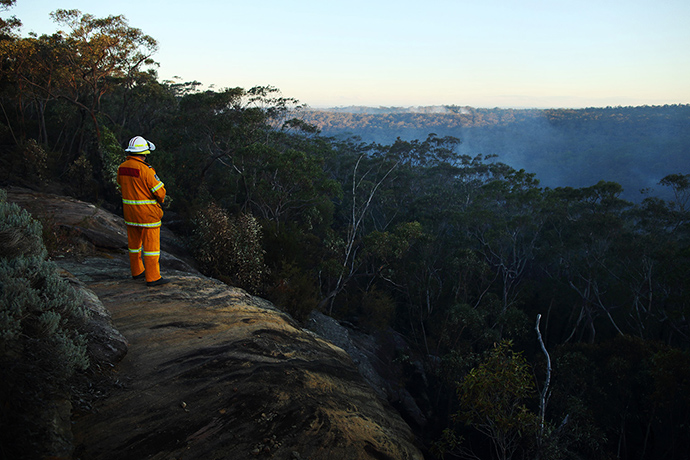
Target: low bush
229,247
40,343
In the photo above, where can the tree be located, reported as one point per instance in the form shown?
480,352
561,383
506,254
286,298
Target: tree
506,222
228,135
368,175
7,26
583,234
492,401
655,263
623,398
680,206
58,82
103,52
383,188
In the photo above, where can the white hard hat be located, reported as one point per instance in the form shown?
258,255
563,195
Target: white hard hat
138,144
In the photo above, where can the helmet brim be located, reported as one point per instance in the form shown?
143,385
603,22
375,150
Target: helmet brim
141,150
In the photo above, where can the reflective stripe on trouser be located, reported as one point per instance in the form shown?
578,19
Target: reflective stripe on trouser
144,242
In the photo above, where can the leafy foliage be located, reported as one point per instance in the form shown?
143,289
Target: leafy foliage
230,247
40,343
492,400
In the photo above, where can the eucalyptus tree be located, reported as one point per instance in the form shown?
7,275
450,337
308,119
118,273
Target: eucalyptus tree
9,25
506,222
241,147
493,399
242,151
103,52
384,186
34,71
656,264
57,82
581,250
367,170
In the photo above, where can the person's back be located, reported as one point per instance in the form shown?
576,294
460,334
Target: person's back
143,194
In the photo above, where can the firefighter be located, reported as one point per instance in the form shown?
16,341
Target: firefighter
143,194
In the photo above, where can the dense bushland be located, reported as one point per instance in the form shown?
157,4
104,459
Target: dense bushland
458,252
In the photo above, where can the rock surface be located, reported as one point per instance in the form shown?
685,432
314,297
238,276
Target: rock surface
212,372
85,229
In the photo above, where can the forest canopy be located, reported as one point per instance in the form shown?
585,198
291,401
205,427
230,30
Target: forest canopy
459,252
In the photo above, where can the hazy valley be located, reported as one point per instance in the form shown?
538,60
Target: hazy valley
633,146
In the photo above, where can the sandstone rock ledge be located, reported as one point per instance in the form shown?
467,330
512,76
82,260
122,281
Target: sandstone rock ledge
213,373
210,372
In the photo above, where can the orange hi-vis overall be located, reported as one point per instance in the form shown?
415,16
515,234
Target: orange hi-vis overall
142,196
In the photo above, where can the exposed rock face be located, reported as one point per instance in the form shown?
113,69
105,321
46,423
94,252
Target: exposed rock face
106,346
212,372
333,331
88,228
378,361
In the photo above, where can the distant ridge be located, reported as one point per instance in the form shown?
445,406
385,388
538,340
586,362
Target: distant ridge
464,109
381,110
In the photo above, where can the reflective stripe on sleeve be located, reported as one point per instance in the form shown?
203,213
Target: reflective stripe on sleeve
160,184
138,202
138,224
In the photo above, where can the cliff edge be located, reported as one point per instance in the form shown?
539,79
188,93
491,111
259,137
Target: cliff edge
210,371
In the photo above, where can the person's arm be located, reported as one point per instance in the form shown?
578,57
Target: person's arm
156,187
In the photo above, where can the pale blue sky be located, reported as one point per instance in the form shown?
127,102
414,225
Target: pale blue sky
481,53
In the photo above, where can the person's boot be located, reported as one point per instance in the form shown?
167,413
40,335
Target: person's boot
158,282
140,276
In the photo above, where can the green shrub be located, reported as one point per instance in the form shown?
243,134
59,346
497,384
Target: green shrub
492,400
35,160
112,154
40,343
81,177
229,248
19,233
